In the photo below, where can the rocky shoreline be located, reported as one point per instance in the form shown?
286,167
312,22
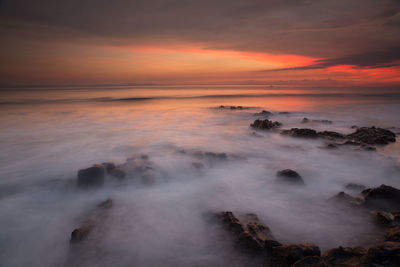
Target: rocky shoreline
250,234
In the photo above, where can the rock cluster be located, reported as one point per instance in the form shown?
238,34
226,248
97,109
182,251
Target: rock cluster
265,124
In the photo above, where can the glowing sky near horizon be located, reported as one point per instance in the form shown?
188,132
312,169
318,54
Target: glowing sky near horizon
172,42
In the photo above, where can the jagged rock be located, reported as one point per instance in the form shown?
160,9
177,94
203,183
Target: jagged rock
385,198
331,134
113,170
301,132
290,176
287,255
355,187
393,234
342,197
372,136
252,235
265,124
385,254
305,120
344,256
92,176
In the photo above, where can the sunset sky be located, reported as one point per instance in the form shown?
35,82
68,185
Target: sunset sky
338,42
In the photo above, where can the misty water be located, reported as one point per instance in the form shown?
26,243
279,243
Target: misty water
47,135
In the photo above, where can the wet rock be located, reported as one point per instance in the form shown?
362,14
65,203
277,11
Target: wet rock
355,187
344,256
140,167
93,176
372,136
263,113
385,198
301,132
393,235
113,170
288,255
289,176
346,199
331,135
385,254
305,120
265,124
81,233
251,234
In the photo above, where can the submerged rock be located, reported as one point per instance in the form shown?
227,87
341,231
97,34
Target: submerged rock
301,132
81,233
252,235
385,198
263,113
289,176
93,176
344,198
307,120
331,134
373,136
265,124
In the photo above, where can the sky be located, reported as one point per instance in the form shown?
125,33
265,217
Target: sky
318,42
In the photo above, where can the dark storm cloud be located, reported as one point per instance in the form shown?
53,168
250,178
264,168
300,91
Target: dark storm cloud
304,27
376,59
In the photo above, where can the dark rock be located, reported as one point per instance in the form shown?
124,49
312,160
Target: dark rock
301,132
385,198
263,113
92,176
305,120
344,198
325,121
355,187
310,261
354,127
344,256
265,124
215,156
284,113
252,235
385,254
109,166
287,255
372,136
290,176
331,134
393,234
80,234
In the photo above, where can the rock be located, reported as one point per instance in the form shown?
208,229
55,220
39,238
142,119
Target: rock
305,120
252,235
288,255
385,198
331,134
290,176
301,132
81,233
372,136
385,254
216,156
393,234
325,121
344,198
92,176
355,187
331,146
263,113
198,165
118,173
310,261
265,124
284,113
344,256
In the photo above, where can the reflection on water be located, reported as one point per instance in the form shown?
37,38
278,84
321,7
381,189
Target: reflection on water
43,144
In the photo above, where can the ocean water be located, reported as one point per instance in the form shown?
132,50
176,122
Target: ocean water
48,134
